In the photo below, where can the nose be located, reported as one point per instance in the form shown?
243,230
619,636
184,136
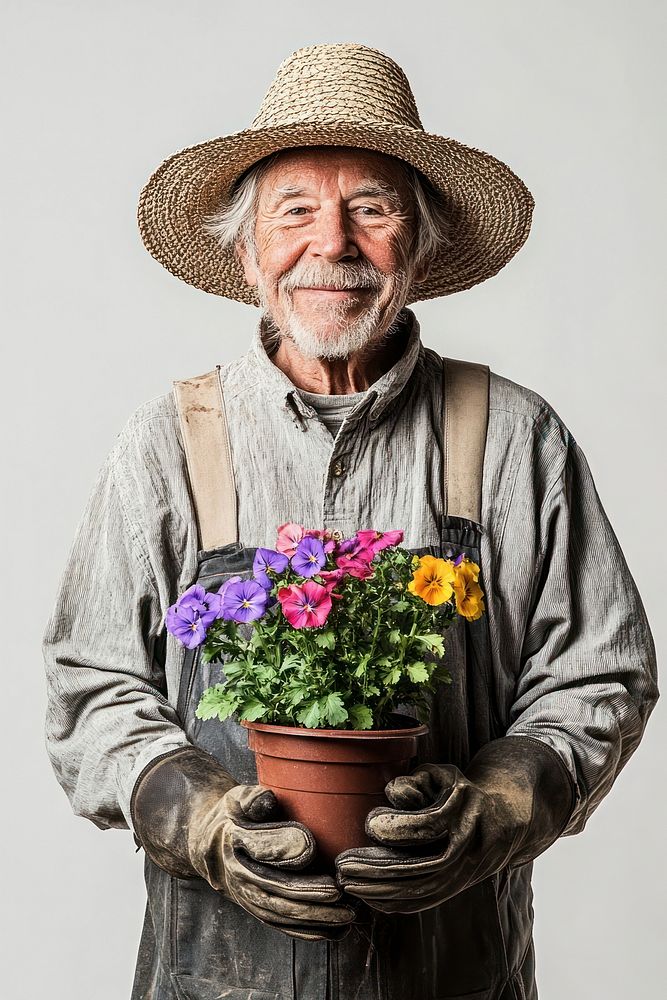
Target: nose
332,237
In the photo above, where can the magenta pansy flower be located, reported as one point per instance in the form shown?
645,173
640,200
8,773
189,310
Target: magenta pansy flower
378,540
331,577
358,563
305,606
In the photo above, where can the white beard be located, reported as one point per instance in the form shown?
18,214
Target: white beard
351,336
348,338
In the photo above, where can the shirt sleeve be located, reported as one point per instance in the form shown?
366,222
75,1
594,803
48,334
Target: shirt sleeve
107,712
587,671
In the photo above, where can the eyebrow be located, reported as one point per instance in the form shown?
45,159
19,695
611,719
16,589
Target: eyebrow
376,189
366,189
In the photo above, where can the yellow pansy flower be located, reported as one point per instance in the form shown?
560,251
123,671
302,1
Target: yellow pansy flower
472,566
467,591
433,580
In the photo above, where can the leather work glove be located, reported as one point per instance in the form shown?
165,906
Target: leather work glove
193,819
446,830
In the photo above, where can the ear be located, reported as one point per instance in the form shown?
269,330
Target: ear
421,273
247,262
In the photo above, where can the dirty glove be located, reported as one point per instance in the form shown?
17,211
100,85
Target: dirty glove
446,830
192,819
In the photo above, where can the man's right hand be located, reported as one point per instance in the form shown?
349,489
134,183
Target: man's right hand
193,820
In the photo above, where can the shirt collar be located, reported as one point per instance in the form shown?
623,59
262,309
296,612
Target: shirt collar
277,386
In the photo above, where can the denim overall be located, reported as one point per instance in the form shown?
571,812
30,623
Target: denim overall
198,945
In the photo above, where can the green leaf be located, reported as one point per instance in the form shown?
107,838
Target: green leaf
233,668
290,661
363,663
326,640
216,702
433,641
296,694
361,717
441,675
394,636
253,710
391,676
310,715
417,672
255,640
332,709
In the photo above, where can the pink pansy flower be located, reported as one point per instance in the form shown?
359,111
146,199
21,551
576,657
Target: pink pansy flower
378,540
305,606
358,564
331,578
289,536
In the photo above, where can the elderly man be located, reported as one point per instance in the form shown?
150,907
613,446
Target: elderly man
332,212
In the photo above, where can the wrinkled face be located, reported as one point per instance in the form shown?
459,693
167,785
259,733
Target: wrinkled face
332,247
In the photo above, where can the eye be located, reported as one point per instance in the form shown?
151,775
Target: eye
297,210
368,210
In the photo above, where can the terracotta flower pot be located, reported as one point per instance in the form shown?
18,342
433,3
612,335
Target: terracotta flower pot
329,779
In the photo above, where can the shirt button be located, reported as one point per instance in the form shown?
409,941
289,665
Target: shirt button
338,469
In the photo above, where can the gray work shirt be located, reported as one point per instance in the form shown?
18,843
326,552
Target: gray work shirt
573,656
332,409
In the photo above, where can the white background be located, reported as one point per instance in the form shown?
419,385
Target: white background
96,95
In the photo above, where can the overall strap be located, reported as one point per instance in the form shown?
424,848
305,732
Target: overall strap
201,411
465,416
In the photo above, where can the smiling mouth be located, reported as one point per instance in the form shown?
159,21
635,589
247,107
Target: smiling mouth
324,290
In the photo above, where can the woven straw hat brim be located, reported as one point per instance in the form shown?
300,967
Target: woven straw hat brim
490,207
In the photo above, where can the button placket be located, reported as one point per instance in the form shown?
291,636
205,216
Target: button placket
338,501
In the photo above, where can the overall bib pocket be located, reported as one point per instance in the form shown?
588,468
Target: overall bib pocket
197,988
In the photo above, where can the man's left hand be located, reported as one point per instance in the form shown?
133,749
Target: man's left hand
445,830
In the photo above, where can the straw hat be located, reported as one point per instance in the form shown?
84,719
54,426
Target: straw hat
342,95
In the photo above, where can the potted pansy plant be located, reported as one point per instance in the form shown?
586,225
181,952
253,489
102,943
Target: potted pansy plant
342,632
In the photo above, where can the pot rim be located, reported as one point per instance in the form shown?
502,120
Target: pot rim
419,729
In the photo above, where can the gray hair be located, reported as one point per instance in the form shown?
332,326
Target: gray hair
234,222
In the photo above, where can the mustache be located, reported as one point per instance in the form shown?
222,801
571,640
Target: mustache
337,276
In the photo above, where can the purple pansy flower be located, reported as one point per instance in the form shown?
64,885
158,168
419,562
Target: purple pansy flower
268,559
243,601
346,546
223,588
189,618
309,557
459,560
